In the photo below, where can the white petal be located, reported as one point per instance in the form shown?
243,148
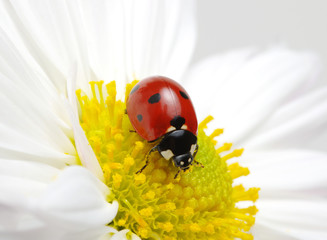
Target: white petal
287,172
258,85
71,206
265,232
122,235
53,48
203,79
33,123
137,39
300,219
77,193
28,170
301,123
118,39
83,147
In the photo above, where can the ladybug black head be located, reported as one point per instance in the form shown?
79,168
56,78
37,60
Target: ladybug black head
183,161
180,146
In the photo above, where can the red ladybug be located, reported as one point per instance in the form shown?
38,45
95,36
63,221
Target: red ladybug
160,109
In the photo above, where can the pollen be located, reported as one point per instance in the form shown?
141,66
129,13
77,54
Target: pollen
167,226
146,212
202,203
139,178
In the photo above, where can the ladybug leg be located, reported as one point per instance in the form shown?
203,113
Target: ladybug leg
196,151
133,131
177,173
198,164
147,159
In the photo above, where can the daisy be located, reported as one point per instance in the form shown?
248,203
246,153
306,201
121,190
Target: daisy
61,180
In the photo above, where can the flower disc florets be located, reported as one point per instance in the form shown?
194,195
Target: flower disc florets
199,204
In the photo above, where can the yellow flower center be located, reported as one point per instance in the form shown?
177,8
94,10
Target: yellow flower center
199,204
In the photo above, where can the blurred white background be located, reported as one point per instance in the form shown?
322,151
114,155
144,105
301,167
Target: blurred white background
230,24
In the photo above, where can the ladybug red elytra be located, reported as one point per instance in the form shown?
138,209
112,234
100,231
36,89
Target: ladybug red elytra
161,110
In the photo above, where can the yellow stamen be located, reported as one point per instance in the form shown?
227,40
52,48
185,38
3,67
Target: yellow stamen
139,179
204,123
146,212
235,153
167,226
116,180
225,147
216,133
237,171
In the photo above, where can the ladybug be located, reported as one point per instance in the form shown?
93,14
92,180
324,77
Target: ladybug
161,110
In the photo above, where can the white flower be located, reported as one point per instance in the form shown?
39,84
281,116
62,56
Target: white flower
268,102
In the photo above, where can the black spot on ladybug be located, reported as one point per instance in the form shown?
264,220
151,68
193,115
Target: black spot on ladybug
183,94
154,98
139,117
177,122
134,89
